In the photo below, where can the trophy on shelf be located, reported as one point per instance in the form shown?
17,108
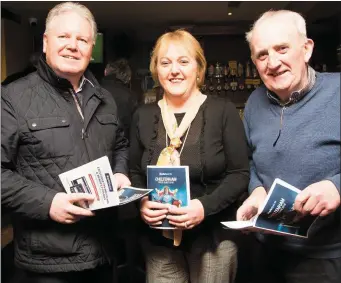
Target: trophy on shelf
226,71
240,70
240,74
241,113
218,73
256,79
210,74
211,87
218,87
233,71
226,75
248,80
210,71
254,72
248,70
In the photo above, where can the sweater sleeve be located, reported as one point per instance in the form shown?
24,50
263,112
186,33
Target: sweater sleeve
336,181
236,165
254,179
18,194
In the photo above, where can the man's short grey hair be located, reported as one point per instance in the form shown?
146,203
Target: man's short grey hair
120,69
295,18
80,9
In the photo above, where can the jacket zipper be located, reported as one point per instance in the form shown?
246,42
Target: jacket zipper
281,125
79,109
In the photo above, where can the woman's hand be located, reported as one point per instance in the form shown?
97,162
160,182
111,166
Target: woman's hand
153,212
186,217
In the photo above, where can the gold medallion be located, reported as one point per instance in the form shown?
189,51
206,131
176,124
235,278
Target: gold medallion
176,142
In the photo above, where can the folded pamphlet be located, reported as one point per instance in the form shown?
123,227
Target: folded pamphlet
96,178
277,214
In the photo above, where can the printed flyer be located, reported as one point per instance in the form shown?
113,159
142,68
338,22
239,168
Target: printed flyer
96,178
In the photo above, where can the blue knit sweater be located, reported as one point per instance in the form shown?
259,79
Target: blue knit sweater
307,151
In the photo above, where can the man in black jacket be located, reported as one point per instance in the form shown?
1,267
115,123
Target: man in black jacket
54,120
117,81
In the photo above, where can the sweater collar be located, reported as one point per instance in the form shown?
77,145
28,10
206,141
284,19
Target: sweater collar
296,95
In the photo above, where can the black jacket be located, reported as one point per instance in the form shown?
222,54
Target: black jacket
215,151
41,133
125,99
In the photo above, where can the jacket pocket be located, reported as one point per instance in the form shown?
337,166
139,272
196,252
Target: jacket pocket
108,124
54,242
105,119
38,124
49,137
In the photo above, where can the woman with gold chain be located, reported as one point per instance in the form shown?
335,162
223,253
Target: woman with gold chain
186,127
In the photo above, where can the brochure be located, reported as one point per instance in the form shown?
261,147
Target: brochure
96,178
278,215
170,185
129,194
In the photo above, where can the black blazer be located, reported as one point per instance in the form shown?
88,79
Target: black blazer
223,162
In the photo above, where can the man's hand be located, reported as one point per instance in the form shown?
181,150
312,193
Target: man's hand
122,180
321,198
153,212
252,204
64,211
186,217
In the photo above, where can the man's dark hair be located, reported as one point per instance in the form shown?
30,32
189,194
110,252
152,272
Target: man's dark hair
120,69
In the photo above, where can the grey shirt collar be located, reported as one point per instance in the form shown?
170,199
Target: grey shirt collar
81,85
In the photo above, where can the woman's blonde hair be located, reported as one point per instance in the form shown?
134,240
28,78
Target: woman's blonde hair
80,9
188,41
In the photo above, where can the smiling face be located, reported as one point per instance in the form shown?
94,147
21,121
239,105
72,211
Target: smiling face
281,55
68,45
177,70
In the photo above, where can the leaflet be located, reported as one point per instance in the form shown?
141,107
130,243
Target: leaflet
129,194
277,214
96,178
170,184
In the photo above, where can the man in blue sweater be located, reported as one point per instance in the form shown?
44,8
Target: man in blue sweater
292,125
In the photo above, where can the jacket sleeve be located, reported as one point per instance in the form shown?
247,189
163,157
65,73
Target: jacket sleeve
121,146
121,152
137,177
18,194
236,178
254,179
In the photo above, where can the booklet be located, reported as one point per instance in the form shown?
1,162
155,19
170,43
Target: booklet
96,178
278,215
170,185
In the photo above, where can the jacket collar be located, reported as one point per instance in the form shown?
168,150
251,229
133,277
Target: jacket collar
48,75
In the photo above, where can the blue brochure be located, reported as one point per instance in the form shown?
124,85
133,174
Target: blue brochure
278,215
170,185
